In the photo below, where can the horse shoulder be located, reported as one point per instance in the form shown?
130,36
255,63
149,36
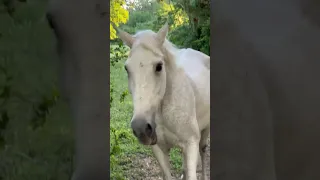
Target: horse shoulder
197,67
205,59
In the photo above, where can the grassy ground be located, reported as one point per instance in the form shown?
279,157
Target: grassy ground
129,159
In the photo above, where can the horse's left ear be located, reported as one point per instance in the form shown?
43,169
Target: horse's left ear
162,33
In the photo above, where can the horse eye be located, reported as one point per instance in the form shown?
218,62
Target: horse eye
159,67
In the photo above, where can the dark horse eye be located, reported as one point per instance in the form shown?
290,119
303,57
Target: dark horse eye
159,67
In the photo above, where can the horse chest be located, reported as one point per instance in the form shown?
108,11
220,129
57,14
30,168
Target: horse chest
166,137
174,132
203,113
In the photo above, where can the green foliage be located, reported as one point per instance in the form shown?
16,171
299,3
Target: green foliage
194,32
181,36
202,43
117,53
183,31
42,110
136,17
138,20
163,14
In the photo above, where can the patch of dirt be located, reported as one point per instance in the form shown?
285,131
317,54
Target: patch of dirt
145,167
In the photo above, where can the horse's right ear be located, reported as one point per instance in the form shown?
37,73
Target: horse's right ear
162,33
127,38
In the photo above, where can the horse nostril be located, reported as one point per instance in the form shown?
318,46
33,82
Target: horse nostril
149,130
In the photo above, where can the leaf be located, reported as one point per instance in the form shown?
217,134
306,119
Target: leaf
123,95
118,15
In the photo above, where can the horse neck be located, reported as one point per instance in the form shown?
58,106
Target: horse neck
174,77
178,94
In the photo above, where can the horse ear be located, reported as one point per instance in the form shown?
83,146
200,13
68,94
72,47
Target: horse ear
162,33
127,38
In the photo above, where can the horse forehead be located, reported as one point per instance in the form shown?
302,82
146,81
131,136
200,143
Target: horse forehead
145,35
140,58
144,51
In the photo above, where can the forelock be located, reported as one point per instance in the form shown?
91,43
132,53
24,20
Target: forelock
147,40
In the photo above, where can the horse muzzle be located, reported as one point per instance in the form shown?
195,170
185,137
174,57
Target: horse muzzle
144,131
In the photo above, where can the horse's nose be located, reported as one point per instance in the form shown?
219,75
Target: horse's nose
141,127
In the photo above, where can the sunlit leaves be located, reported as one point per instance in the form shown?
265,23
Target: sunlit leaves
118,15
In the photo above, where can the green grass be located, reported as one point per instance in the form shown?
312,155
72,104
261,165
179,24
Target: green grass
127,147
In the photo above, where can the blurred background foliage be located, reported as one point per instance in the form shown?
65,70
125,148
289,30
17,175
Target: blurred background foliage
189,20
36,135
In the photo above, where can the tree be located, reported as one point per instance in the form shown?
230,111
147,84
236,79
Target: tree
118,15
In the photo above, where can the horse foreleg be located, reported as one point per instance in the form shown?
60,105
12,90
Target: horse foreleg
203,149
163,158
190,154
199,166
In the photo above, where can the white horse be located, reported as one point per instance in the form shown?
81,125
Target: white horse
171,97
